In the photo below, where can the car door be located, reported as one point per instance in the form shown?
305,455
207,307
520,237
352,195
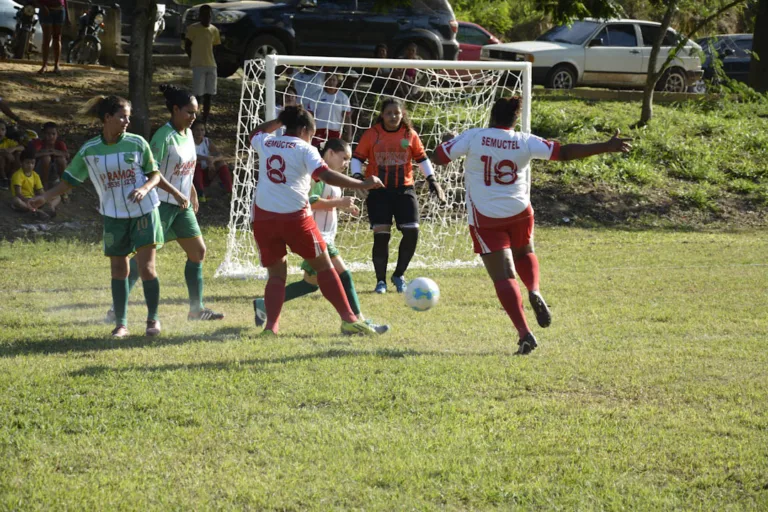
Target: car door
471,41
326,28
736,65
613,57
649,33
381,26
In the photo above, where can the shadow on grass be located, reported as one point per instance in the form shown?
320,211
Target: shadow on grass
139,302
105,342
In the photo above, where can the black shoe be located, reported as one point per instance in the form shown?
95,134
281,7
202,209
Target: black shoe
526,345
543,315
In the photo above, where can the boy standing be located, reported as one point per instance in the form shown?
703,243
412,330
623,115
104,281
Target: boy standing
200,39
26,185
9,148
49,150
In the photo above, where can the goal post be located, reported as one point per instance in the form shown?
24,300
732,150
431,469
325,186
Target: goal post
439,96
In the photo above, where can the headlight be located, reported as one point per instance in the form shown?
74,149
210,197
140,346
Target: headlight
224,17
29,9
99,18
524,57
484,52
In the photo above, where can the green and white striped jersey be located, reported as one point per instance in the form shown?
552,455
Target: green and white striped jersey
115,171
327,220
176,158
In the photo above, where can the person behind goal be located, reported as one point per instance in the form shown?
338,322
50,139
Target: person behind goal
325,200
124,173
280,214
497,175
390,146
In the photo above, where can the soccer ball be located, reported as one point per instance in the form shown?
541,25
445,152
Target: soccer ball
422,294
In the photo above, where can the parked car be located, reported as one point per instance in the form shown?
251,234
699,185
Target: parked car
612,53
734,52
8,24
471,39
339,28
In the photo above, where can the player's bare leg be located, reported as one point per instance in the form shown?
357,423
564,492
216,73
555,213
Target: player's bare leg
349,288
527,266
145,258
274,294
193,275
500,268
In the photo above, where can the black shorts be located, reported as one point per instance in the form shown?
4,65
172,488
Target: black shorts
384,203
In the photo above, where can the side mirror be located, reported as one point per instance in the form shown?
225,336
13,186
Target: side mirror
596,42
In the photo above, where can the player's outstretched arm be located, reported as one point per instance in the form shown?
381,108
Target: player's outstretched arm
341,180
615,144
62,188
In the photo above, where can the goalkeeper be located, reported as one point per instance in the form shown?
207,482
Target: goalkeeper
390,146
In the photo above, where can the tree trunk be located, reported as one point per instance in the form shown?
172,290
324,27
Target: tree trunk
758,69
646,112
140,65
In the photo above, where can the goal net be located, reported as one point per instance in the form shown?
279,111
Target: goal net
440,97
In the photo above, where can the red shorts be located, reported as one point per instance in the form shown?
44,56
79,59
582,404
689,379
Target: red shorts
322,135
510,233
273,231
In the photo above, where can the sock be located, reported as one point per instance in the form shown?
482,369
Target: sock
120,301
152,296
133,275
299,289
330,285
199,179
274,296
380,255
226,178
349,289
527,267
407,250
509,295
193,275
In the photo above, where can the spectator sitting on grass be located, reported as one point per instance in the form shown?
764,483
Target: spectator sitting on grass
209,163
51,153
9,150
26,185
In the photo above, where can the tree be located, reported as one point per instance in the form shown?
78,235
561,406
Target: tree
140,65
758,67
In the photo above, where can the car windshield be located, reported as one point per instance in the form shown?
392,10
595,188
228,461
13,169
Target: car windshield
576,33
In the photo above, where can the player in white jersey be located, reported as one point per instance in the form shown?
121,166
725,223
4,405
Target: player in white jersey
124,173
173,148
281,217
497,177
325,200
333,113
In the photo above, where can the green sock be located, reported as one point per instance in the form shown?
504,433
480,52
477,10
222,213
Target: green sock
193,274
349,289
120,300
299,288
133,275
152,296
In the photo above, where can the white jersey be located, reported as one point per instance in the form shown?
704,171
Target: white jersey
327,220
329,110
287,166
176,157
203,149
308,87
497,170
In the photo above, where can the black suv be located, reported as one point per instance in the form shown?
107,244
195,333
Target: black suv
336,28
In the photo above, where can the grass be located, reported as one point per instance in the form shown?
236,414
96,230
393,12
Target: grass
648,392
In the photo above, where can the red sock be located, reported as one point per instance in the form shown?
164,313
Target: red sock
197,179
527,268
509,295
330,285
226,177
274,296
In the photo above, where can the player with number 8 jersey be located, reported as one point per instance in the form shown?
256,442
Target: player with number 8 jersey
497,177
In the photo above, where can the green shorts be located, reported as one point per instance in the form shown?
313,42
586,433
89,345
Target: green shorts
332,252
178,223
123,237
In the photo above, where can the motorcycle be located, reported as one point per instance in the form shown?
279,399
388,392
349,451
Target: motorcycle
18,46
86,48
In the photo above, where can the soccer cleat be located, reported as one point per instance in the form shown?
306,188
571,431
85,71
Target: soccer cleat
399,282
381,287
120,331
259,312
380,329
526,345
266,333
110,318
358,328
205,314
153,328
543,315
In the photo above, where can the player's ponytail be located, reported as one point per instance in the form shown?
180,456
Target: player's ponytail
406,121
296,118
506,111
334,145
175,96
101,106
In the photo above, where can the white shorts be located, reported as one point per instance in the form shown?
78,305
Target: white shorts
204,80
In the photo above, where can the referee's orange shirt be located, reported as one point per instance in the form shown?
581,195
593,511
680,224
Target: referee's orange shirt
389,154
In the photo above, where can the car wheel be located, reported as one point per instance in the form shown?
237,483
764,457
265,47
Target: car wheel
263,46
562,77
673,81
226,69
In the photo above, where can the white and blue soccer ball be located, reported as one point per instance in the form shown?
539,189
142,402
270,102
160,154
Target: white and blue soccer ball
422,294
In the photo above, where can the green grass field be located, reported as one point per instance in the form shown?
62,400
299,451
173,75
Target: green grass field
649,391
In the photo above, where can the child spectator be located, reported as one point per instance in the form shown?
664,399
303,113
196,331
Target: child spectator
199,41
9,150
308,84
407,88
51,153
289,100
26,185
333,113
209,163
